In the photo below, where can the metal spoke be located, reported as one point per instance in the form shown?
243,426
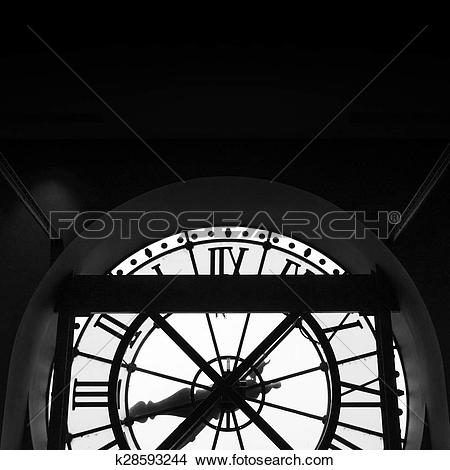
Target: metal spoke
216,347
260,351
340,324
286,377
191,423
276,344
257,419
241,341
90,431
93,357
285,408
171,377
223,385
227,420
238,432
360,404
347,443
356,358
216,436
360,429
185,346
354,387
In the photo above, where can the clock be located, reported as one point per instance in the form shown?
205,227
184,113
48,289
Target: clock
135,379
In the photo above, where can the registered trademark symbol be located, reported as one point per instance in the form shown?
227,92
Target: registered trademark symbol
394,217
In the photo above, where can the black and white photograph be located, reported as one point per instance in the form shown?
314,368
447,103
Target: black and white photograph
216,244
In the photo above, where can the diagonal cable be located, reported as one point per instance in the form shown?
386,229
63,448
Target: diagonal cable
422,193
360,92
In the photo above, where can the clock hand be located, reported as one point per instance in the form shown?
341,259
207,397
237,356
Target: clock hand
180,403
259,368
217,411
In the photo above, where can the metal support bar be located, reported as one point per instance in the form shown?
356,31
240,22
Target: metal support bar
57,435
351,293
387,375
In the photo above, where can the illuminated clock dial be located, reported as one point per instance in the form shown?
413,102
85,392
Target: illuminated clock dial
132,385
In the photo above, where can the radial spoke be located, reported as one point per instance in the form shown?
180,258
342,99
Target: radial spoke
356,358
360,429
225,384
145,371
241,341
216,347
93,357
216,436
188,349
171,377
277,343
286,377
353,387
347,443
260,351
191,423
238,432
336,330
285,408
260,422
90,431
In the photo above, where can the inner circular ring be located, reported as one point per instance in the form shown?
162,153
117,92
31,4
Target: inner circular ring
260,407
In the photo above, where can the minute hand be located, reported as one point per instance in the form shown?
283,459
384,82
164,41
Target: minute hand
258,353
225,385
243,368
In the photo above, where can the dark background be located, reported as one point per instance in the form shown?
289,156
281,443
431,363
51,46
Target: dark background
222,106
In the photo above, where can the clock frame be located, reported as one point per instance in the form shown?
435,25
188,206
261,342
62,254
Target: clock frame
34,349
253,292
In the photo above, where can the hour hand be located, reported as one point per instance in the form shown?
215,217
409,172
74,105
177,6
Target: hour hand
251,385
181,403
139,412
178,404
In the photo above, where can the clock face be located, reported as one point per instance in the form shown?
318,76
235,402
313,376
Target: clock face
317,387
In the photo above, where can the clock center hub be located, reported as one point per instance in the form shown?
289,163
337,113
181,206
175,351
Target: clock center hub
251,386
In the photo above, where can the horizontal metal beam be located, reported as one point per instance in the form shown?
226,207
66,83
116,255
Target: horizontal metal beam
321,293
